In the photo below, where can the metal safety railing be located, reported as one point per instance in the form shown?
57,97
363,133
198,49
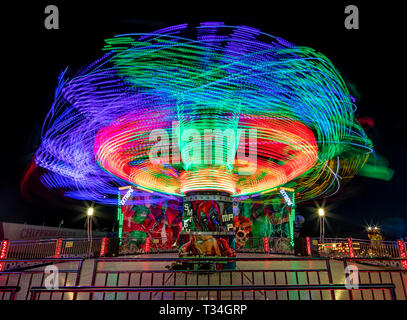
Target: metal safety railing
313,271
29,249
368,276
377,248
81,247
292,292
36,249
8,292
219,277
344,247
24,252
69,271
208,260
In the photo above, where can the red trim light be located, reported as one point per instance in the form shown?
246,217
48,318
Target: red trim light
3,252
266,244
350,245
402,249
58,248
103,248
308,243
147,245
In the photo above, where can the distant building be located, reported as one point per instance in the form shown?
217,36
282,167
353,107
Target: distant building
16,231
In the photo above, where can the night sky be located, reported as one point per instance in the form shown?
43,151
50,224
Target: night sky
369,59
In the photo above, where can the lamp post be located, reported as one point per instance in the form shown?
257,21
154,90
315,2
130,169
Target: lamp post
321,213
89,223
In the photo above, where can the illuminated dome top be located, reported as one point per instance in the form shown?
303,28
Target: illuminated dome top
211,107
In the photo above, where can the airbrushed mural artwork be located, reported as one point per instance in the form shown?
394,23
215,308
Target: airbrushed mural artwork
212,224
208,213
255,219
143,217
207,225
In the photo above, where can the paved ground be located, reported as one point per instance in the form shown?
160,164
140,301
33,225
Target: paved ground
137,274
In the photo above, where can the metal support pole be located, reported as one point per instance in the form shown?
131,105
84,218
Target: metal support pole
89,223
320,229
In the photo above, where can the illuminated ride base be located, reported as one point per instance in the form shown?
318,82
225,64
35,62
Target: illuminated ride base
205,224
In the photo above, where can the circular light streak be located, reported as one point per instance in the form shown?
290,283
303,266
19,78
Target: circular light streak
212,78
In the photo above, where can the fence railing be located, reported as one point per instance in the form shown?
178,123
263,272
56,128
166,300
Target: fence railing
368,276
8,292
202,260
292,292
379,249
29,249
69,271
361,248
20,251
247,272
220,278
331,247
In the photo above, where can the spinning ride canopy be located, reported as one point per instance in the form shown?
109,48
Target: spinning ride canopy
186,89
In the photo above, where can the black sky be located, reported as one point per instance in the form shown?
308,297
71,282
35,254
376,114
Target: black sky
370,58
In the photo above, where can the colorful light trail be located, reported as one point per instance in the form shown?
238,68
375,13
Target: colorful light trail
188,86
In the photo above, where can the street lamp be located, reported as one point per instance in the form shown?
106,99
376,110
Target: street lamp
90,211
321,213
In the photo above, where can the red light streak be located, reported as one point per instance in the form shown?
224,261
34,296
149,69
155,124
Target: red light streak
402,249
350,245
103,248
3,252
58,248
308,241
